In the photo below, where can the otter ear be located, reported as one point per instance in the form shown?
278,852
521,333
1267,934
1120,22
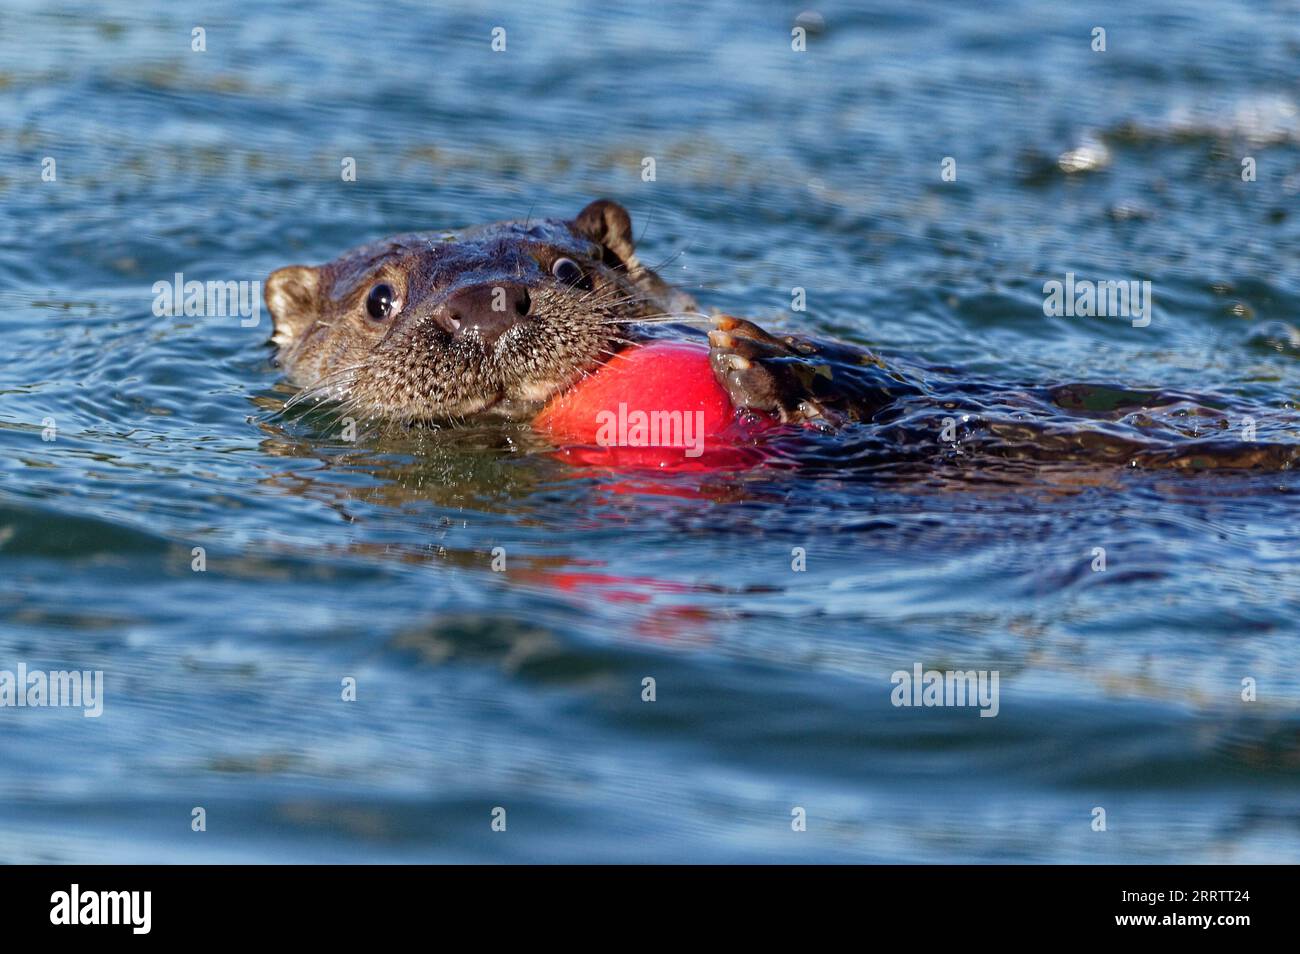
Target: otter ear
608,224
291,295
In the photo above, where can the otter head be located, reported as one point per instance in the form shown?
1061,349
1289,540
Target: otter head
443,325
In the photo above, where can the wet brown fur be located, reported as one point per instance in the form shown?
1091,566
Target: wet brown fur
412,367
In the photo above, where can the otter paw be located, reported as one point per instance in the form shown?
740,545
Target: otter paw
761,372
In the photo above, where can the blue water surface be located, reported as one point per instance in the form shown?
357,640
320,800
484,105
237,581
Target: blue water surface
1120,689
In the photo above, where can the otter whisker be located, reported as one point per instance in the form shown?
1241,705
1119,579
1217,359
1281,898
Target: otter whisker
663,319
322,387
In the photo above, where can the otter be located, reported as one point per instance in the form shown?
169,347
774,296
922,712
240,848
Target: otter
492,320
497,319
438,327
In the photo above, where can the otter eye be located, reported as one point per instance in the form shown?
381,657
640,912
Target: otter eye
379,303
568,272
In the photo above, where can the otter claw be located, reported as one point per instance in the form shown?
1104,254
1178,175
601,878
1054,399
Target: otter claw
748,347
734,362
747,330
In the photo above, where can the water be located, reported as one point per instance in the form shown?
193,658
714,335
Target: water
1120,689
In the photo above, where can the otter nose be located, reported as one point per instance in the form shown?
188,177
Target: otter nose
486,311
